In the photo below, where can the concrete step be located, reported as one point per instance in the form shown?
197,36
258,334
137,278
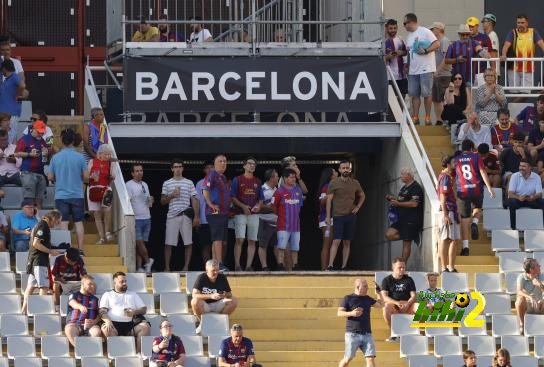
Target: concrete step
432,130
297,280
106,268
104,261
290,357
295,292
316,345
477,260
101,250
477,268
437,152
435,140
290,302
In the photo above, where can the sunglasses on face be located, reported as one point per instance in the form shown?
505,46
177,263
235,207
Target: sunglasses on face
457,78
33,119
178,166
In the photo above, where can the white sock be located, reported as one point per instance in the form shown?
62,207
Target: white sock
465,243
475,220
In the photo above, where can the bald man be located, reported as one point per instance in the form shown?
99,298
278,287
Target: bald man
356,309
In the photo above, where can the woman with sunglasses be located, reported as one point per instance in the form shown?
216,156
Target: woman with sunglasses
489,98
457,100
168,350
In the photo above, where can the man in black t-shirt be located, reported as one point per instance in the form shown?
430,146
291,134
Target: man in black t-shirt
536,139
409,207
511,157
212,293
399,293
356,309
38,255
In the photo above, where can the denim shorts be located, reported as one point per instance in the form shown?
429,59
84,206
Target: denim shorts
365,342
21,245
143,227
420,85
293,238
73,207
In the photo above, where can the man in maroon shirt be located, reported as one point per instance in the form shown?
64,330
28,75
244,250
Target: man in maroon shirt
491,164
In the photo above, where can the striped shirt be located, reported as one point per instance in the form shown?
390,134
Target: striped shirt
468,51
219,189
288,203
71,273
247,190
183,201
76,316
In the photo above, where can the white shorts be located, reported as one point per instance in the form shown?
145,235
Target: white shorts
452,231
40,278
215,307
521,80
177,225
251,222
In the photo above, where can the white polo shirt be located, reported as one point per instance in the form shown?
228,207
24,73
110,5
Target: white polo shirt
521,186
116,303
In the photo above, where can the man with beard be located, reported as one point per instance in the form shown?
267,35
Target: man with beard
167,35
199,34
146,32
122,311
345,198
395,49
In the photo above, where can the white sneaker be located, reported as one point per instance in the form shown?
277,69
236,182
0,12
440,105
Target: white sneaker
109,237
148,265
199,329
57,308
141,270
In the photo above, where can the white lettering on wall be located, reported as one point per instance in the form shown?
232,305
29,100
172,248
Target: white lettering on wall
206,87
145,80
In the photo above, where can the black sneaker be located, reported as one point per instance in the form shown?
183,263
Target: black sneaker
280,267
453,270
330,268
465,251
249,268
392,339
296,267
446,270
266,268
474,231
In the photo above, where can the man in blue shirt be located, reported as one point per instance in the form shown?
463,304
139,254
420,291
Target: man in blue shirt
236,350
22,223
11,90
68,170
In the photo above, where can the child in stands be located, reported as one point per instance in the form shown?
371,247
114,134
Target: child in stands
470,358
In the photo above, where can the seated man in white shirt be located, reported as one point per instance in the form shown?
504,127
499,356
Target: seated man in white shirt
199,34
524,190
123,311
475,131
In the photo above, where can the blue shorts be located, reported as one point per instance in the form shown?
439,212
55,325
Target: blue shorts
21,245
143,227
344,227
293,238
73,207
420,85
365,342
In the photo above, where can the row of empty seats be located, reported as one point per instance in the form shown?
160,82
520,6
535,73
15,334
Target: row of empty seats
14,195
424,360
508,240
190,361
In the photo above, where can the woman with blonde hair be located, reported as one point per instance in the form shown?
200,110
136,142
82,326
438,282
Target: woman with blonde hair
99,194
502,358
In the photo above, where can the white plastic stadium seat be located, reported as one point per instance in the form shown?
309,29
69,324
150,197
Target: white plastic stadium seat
27,362
413,345
128,362
147,346
61,362
534,240
13,325
196,361
400,325
447,345
534,325
95,362
20,262
13,196
482,345
24,282
10,303
538,256
504,325
173,302
528,219
193,345
511,261
420,279
496,202
422,361
137,282
5,262
104,282
539,346
183,324
121,346
511,282
455,282
88,346
496,219
166,282
7,282
214,344
517,345
64,304
454,361
467,331
524,361
4,362
497,303
59,236
21,346
47,324
190,279
214,324
55,346
149,301
488,282
40,304
505,240
432,332
155,320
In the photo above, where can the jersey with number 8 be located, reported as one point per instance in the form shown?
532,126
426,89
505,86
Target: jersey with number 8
468,178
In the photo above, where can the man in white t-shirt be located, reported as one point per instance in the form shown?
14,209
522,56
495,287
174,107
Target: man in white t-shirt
200,34
421,44
141,200
180,194
5,53
123,311
488,23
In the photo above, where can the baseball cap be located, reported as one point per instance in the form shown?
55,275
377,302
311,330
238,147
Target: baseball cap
39,126
463,28
472,21
438,25
28,202
490,17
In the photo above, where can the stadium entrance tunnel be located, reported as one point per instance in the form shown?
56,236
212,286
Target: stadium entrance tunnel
369,250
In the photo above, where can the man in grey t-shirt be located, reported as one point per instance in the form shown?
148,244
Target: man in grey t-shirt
529,291
442,76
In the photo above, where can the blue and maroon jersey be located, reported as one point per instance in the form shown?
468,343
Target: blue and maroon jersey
61,269
247,190
323,207
218,186
233,354
467,172
76,316
445,187
288,203
26,144
172,352
483,40
504,137
468,51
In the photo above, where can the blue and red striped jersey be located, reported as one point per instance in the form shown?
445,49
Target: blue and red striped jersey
233,354
445,187
61,269
219,188
247,190
468,51
288,203
76,316
26,144
467,172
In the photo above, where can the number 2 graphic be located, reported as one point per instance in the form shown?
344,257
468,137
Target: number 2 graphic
470,319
